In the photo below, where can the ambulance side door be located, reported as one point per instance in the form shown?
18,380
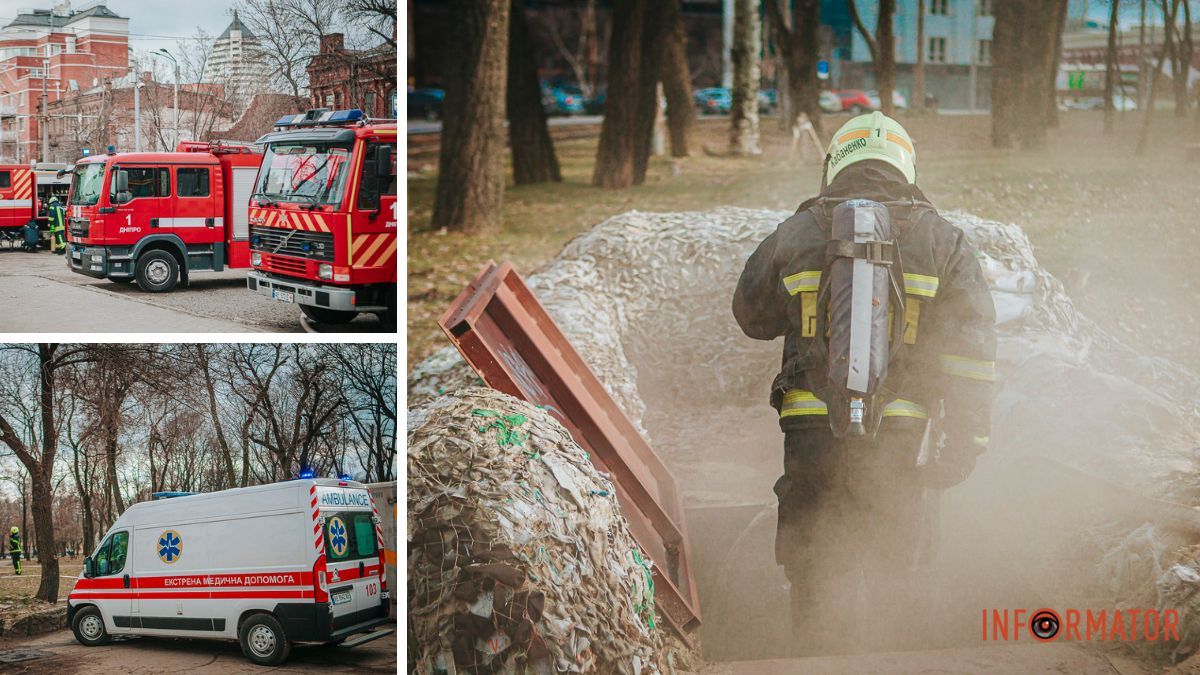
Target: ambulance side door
196,216
111,563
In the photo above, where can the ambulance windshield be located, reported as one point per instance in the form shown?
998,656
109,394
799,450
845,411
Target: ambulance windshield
85,185
304,173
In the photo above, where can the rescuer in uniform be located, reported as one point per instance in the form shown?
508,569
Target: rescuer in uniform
14,548
58,237
855,514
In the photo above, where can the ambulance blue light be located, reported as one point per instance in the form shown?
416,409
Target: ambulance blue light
87,152
344,476
307,472
168,495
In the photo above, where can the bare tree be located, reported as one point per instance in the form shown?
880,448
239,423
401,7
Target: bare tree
377,17
617,149
799,44
1024,61
882,47
286,46
676,80
1170,10
743,132
1110,64
533,155
470,188
919,69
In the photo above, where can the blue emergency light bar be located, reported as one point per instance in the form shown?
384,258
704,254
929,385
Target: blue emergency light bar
306,472
168,495
321,116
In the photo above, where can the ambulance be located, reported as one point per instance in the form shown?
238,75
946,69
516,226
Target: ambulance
269,566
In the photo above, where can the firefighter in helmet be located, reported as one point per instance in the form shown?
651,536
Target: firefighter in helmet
855,513
14,548
58,218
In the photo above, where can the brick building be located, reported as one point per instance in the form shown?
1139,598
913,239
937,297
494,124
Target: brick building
104,115
57,51
343,78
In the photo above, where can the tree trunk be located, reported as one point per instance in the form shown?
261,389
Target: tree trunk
885,66
743,132
1141,57
1007,64
677,80
1110,66
1148,114
211,390
1183,62
470,188
653,50
1055,58
618,137
532,150
919,68
43,523
799,46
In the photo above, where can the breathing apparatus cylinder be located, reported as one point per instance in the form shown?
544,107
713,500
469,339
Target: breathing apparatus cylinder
860,288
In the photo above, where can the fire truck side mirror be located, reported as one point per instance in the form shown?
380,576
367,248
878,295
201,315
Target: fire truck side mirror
122,181
383,161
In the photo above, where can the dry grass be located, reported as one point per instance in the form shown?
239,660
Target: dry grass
19,591
1118,229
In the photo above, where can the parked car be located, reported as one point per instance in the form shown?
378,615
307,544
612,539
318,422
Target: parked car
830,102
595,104
854,100
1121,103
713,101
562,100
425,103
768,101
898,100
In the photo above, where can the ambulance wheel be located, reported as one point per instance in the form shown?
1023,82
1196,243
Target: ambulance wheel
326,315
157,271
88,627
263,640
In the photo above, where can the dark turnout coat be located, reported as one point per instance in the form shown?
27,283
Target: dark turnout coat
949,319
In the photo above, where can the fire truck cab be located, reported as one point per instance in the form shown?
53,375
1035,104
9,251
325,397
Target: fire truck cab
155,217
323,216
17,204
269,566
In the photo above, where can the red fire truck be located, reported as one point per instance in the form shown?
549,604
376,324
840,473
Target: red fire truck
156,217
323,216
17,205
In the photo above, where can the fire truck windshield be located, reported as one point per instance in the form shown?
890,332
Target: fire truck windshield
304,173
85,185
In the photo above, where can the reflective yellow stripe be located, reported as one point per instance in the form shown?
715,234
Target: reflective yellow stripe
920,284
898,140
974,369
806,281
905,408
797,402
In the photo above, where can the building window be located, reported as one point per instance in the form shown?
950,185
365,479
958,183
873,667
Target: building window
369,103
939,7
985,7
329,101
983,54
937,50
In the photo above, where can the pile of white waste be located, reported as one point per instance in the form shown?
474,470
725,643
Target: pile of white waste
645,299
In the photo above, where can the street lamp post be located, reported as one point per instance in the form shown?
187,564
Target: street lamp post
175,105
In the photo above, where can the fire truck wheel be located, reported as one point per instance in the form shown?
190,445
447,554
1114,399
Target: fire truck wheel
88,627
326,315
263,640
157,271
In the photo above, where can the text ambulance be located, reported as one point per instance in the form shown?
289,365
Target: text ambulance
155,217
269,566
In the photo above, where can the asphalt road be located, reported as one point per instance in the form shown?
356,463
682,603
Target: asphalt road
39,293
62,655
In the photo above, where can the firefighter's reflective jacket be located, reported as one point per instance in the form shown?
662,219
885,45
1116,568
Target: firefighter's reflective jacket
949,319
14,543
